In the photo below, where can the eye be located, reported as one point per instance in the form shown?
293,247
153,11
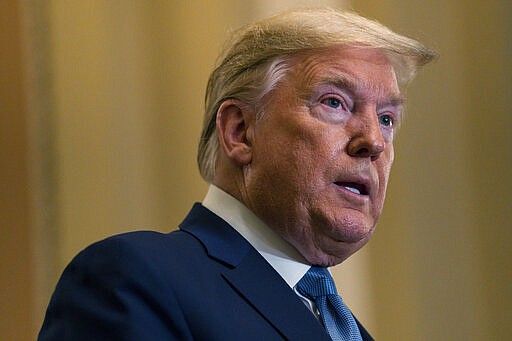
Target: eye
334,102
386,120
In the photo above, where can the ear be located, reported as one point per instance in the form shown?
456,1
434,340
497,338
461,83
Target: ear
234,125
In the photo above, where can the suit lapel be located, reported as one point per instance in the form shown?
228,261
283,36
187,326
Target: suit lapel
252,277
267,292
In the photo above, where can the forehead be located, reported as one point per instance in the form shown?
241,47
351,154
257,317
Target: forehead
364,71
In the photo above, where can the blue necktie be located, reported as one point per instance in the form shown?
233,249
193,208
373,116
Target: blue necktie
318,285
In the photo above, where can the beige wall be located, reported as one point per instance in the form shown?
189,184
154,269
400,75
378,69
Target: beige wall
114,105
16,291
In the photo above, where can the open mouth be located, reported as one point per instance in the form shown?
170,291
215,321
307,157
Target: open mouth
354,187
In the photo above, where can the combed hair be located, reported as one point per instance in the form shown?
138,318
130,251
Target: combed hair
257,57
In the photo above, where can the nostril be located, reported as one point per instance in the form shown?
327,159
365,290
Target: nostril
364,147
363,152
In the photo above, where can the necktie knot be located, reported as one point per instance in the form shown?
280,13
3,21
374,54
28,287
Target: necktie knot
317,282
318,285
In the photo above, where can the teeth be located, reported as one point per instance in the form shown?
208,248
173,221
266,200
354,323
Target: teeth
352,189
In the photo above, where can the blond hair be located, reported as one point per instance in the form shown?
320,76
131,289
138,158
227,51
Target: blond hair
256,58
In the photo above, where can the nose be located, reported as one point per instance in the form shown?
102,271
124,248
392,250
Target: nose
366,139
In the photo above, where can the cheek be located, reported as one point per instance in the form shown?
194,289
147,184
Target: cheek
297,150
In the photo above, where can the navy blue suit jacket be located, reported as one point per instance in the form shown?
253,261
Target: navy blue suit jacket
203,282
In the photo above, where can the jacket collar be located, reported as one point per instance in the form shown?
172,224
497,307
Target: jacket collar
221,241
252,277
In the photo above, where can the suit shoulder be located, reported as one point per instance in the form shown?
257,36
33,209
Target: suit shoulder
117,287
143,237
138,250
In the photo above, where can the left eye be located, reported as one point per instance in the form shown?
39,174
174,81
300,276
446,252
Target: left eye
332,102
386,120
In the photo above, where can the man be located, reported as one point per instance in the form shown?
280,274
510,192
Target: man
297,144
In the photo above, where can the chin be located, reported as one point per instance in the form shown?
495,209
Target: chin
349,229
342,223
327,260
330,253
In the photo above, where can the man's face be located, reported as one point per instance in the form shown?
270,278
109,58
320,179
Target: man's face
322,152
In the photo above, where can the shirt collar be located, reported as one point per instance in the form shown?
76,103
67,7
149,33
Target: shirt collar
282,256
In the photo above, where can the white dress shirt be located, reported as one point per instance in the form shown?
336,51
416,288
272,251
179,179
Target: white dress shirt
282,256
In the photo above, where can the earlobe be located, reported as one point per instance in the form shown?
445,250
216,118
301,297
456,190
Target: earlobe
233,125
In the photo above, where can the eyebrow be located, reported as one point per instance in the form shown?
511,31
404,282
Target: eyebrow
356,87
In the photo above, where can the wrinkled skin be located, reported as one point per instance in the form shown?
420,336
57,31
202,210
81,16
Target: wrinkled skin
327,132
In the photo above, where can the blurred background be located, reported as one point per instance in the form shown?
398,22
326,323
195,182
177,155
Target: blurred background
100,113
